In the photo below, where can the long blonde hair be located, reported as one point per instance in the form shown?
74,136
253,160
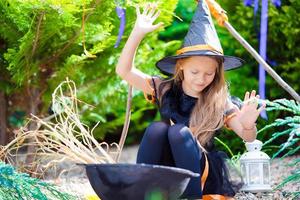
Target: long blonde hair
207,114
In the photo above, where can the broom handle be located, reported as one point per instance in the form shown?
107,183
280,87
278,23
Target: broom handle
220,14
259,59
126,123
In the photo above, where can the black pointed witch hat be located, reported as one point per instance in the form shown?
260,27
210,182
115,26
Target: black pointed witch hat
201,40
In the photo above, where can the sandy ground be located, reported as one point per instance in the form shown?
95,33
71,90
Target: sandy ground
77,183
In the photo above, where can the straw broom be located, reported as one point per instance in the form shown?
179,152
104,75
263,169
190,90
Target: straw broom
67,138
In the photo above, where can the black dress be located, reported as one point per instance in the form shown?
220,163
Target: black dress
177,106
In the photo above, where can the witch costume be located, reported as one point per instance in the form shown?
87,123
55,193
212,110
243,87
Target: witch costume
165,143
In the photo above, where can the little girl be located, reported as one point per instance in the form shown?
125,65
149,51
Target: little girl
194,104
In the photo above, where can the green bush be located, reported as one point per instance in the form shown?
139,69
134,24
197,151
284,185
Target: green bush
42,43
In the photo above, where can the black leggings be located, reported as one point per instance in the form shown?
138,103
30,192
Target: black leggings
161,138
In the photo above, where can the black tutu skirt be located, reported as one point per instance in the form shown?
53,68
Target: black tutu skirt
224,178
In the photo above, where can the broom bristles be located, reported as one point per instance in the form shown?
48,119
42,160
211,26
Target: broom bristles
66,139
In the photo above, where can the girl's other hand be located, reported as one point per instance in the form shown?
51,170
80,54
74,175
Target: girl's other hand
249,112
144,21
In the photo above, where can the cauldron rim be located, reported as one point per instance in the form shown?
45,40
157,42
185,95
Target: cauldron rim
174,169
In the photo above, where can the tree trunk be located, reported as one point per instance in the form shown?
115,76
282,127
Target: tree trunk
3,124
34,102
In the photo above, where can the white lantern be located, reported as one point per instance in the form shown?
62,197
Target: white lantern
255,168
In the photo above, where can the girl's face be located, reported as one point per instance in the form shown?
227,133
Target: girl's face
198,73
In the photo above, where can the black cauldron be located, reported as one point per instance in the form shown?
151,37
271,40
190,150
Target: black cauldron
137,181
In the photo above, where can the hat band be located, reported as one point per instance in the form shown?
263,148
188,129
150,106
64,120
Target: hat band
198,47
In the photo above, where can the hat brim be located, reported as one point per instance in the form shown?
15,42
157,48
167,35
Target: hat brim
167,64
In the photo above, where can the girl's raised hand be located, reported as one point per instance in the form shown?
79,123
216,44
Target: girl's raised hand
144,21
249,112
